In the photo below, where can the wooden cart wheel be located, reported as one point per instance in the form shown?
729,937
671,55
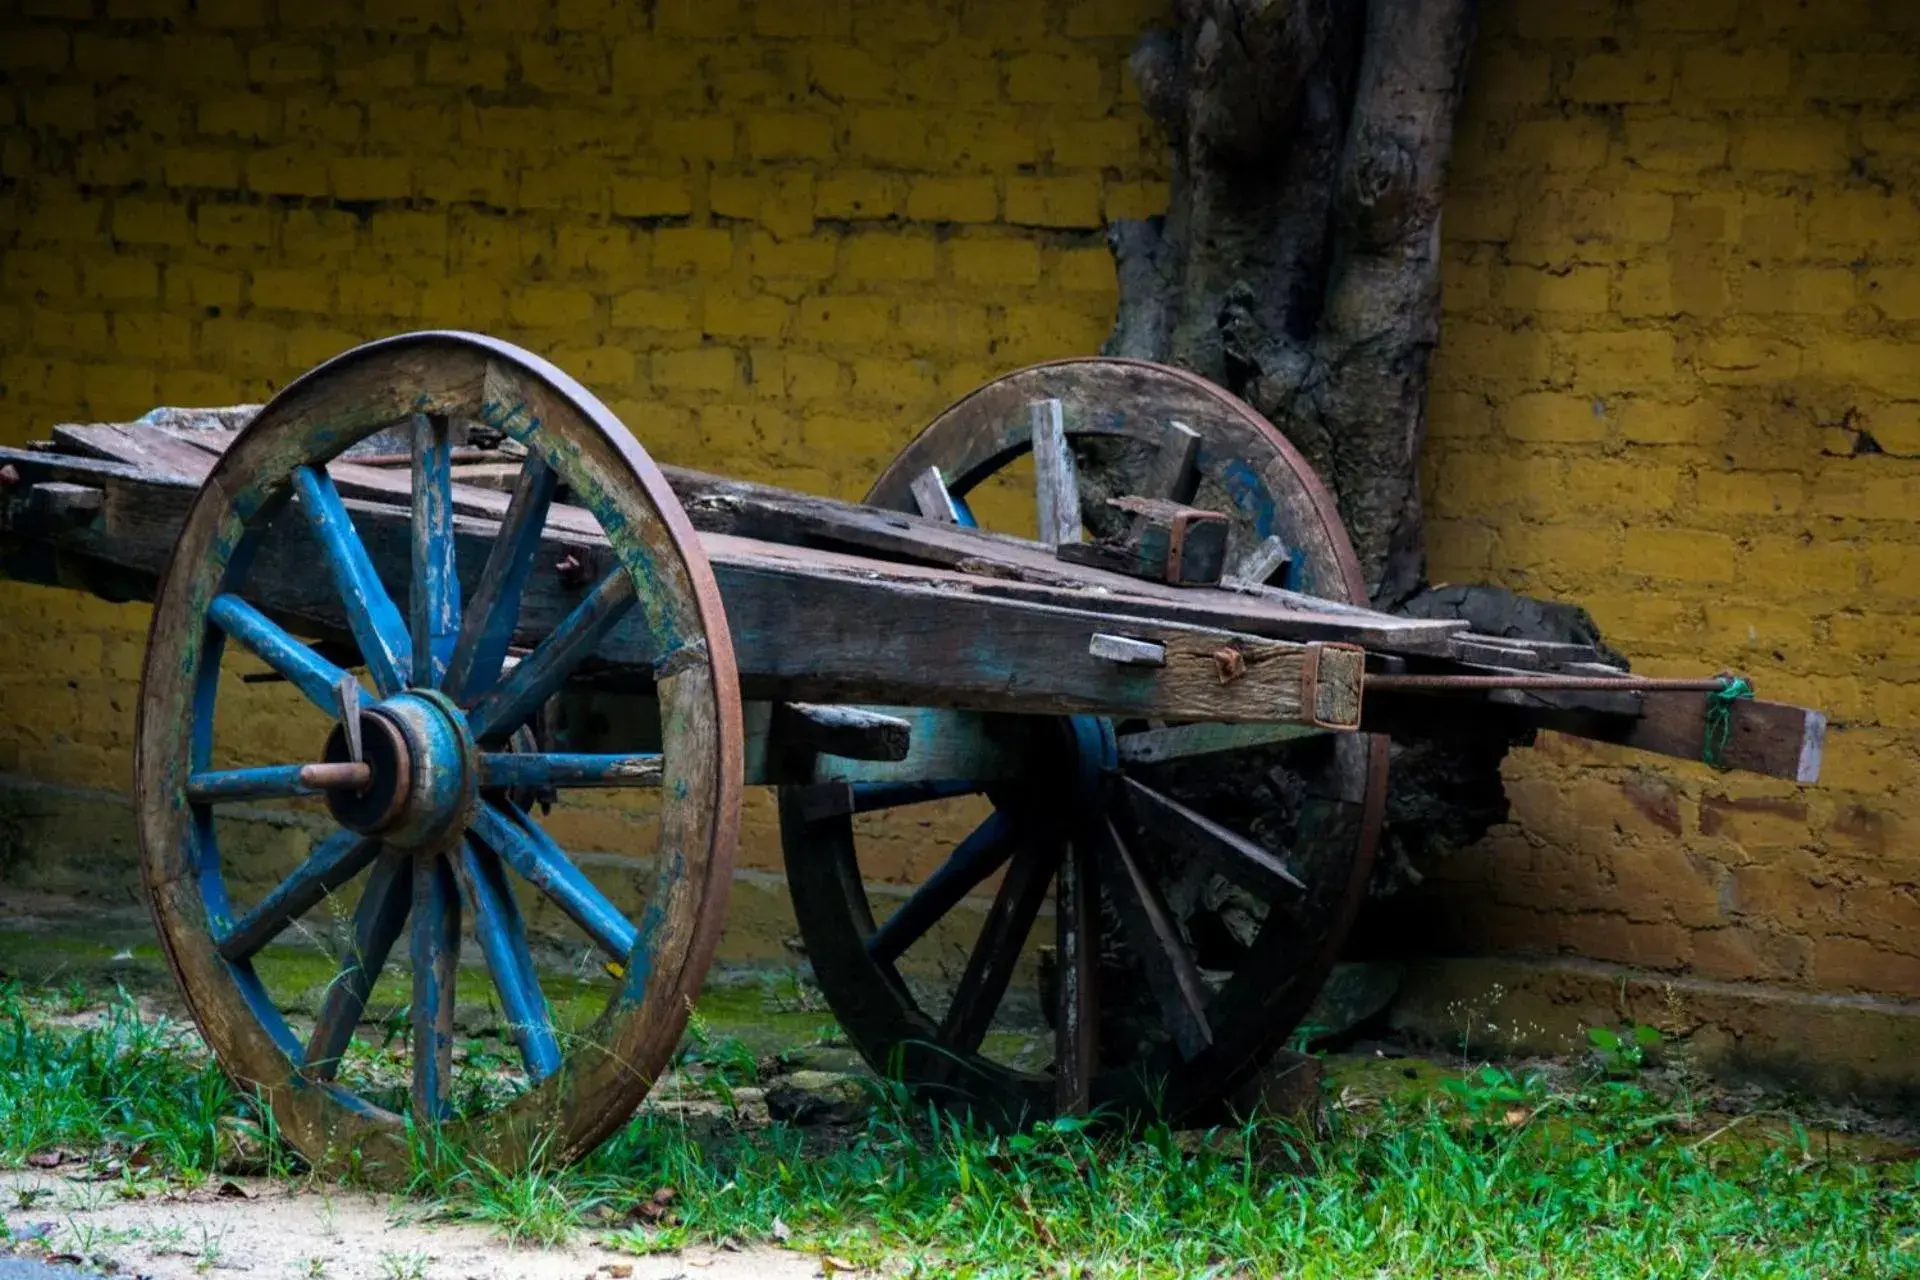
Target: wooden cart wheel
419,772
1192,929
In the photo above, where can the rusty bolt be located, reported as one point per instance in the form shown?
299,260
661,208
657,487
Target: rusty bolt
1230,663
573,570
9,476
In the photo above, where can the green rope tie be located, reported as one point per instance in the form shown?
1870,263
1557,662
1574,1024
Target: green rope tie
1719,726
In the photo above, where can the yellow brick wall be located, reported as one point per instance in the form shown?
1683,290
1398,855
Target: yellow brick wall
1680,384
1677,380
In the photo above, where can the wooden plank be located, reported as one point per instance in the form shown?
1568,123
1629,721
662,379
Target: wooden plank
1177,742
852,732
1056,483
1127,651
1174,475
1166,542
934,499
1076,1022
1257,567
140,446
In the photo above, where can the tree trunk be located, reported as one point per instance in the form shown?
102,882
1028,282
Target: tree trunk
1298,261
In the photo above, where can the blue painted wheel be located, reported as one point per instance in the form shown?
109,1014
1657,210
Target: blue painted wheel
438,641
1202,878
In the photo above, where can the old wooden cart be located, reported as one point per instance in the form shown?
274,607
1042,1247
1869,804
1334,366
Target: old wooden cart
472,531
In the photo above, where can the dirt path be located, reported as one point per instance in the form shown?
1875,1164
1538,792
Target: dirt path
268,1229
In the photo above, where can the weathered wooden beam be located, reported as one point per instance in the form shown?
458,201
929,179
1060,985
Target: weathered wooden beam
1258,566
1166,542
853,733
1174,474
930,492
1056,483
806,626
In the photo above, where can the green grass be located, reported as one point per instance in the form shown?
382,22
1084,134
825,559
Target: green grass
1495,1175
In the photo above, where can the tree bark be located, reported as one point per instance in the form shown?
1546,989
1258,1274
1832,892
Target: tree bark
1298,261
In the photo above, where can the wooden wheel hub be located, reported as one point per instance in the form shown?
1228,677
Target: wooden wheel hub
424,770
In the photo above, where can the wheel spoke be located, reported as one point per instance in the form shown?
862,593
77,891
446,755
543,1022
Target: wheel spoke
377,922
1173,475
930,494
371,616
268,782
435,593
502,936
306,670
871,796
333,862
1056,485
539,676
1228,852
436,958
1076,1023
1154,939
976,858
533,855
990,967
494,609
1179,741
528,769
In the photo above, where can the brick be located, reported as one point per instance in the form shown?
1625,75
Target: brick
570,65
1798,144
1613,362
1567,20
1573,289
247,344
290,289
889,136
463,300
1851,221
1750,493
1560,144
120,279
288,171
1736,75
799,376
846,318
467,66
995,263
1053,202
789,136
1685,555
138,221
371,177
1812,291
851,74
85,331
550,306
1675,144
648,197
1802,567
967,199
319,235
856,195
339,123
197,286
1642,75
991,144
761,316
201,167
696,138
808,259
700,369
30,47
1084,271
1853,964
652,309
157,339
1607,485
1824,16
887,258
1052,77
285,63
1857,77
374,293
955,72
942,328
705,250
1686,15
1546,416
1746,359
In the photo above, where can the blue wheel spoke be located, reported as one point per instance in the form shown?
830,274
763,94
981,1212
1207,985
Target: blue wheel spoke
435,594
371,616
333,862
436,958
526,769
306,670
502,936
495,607
869,796
540,675
533,855
269,782
977,857
377,922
